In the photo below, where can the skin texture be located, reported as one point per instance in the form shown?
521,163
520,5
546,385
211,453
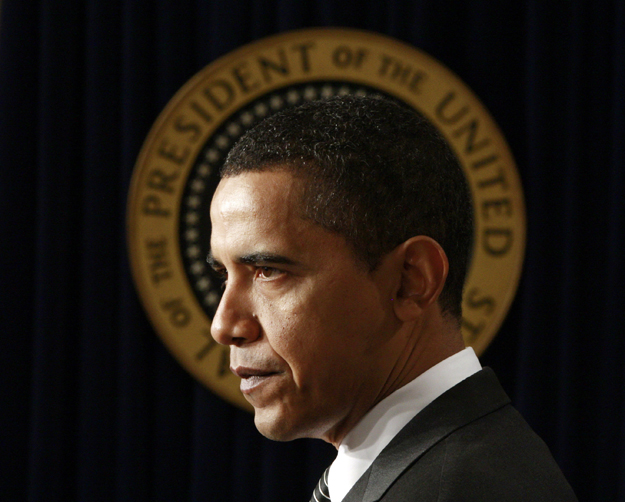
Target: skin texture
317,337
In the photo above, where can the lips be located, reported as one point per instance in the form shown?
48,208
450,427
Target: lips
252,378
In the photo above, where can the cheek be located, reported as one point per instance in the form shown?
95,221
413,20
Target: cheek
317,329
347,311
300,341
284,329
297,340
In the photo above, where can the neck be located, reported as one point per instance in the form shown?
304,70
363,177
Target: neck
420,347
414,349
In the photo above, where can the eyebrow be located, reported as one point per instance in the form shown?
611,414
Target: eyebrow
253,259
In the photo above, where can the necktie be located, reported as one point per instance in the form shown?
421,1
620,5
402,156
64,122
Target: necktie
321,492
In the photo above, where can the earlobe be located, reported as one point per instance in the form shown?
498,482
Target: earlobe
425,268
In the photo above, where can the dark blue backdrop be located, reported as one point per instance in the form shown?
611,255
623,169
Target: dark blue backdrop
94,408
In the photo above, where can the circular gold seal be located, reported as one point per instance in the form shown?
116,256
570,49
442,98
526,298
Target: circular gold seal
177,172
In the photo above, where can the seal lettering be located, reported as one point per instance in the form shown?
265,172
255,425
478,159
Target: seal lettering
497,241
208,347
158,259
244,78
220,93
474,300
151,206
182,126
304,52
161,181
343,56
171,152
455,116
179,315
403,73
471,128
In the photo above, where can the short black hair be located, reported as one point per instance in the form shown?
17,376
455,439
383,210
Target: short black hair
375,172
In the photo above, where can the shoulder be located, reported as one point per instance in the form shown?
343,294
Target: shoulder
495,458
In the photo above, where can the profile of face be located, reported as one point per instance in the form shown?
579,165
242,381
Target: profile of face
310,327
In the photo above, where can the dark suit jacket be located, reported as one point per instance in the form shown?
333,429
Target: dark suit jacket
468,445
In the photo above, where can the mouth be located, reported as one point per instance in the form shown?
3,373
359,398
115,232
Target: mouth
252,378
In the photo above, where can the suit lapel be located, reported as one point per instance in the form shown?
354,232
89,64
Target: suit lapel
471,399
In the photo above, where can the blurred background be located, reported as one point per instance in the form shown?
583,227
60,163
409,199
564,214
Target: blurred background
92,405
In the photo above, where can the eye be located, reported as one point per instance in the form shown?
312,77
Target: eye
268,273
222,275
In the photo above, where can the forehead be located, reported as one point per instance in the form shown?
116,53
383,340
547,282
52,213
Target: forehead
264,195
260,211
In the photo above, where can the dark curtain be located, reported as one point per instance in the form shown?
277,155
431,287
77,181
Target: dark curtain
93,407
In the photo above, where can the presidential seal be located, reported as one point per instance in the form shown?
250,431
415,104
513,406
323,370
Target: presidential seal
177,172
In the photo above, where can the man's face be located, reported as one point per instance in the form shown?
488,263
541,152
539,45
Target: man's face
308,324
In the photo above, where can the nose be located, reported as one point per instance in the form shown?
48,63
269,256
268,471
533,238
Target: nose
234,322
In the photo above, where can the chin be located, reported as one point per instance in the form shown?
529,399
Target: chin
274,429
278,427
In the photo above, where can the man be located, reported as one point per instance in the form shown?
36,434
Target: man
343,229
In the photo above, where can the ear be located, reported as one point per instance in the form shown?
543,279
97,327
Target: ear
424,274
